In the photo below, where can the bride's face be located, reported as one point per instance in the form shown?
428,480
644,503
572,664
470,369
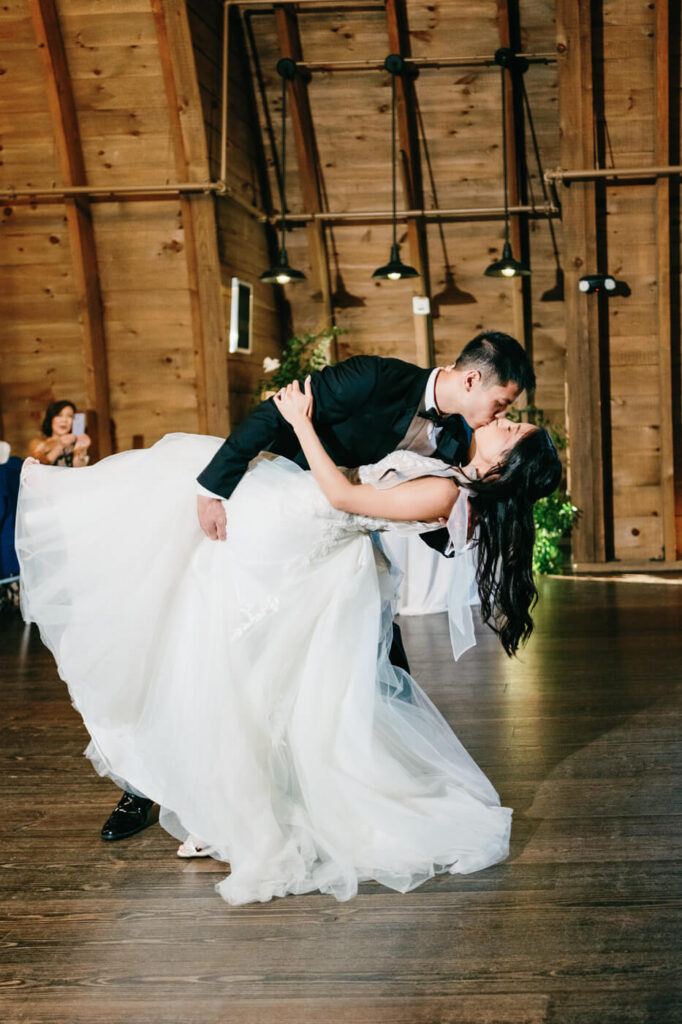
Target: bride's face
497,438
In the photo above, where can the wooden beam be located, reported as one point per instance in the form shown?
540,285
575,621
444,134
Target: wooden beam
509,28
243,42
408,133
308,164
79,220
224,92
198,215
663,246
579,217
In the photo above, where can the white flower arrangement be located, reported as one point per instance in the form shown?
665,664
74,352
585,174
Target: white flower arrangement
270,365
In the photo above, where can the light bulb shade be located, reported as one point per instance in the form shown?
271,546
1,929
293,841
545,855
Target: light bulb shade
507,266
395,269
282,273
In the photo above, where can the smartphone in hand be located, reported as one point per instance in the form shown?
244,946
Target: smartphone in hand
78,427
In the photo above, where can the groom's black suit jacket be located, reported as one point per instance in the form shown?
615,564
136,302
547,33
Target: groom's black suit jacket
362,408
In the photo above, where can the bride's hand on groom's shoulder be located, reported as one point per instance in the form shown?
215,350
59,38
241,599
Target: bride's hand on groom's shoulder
295,405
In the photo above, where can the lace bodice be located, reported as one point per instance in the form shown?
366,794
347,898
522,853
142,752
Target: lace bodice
397,468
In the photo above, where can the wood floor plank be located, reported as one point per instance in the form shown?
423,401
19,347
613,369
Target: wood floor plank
580,926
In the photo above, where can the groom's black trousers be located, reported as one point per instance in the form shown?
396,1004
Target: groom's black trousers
397,654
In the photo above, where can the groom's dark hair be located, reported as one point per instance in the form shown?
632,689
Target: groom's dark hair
500,359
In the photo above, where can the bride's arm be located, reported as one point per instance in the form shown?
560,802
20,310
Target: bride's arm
426,499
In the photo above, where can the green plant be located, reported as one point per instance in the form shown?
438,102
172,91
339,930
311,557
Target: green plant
301,354
555,515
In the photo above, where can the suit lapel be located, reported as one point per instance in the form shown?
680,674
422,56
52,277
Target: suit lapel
411,406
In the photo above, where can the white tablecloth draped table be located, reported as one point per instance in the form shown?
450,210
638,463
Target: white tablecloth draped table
426,574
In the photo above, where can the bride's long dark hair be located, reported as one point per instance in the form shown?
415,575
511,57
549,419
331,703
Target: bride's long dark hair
502,507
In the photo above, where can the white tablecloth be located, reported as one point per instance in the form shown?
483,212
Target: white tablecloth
426,574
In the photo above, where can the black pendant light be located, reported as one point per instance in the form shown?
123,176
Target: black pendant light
507,266
395,269
282,273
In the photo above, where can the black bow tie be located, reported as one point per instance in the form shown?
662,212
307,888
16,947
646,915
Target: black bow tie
435,417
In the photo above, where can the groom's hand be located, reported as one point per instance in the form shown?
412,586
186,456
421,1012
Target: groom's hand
212,519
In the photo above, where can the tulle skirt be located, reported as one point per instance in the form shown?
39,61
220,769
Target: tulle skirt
245,685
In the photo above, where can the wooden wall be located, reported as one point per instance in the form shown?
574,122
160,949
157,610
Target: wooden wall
625,447
245,245
165,362
41,339
460,110
124,129
145,81
623,373
626,51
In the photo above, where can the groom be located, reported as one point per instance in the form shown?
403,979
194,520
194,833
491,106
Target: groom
364,408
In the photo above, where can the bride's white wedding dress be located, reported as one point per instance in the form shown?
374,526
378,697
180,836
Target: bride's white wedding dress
245,685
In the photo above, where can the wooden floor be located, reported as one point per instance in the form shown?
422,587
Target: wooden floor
580,925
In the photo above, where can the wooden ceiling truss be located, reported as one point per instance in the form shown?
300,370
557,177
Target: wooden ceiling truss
308,163
198,215
509,28
586,405
667,243
79,220
410,156
415,216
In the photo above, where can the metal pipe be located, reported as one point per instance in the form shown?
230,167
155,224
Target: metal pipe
449,214
222,189
315,3
161,192
611,172
423,62
229,193
110,191
378,65
331,6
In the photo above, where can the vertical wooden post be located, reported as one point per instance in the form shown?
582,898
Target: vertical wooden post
239,33
408,132
663,246
198,215
579,216
79,220
225,91
509,27
306,152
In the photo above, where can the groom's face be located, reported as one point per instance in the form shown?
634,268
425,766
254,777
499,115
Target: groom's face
486,404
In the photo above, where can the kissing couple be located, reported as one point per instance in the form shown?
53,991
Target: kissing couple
243,671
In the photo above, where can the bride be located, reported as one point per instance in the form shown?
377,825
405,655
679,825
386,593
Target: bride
246,686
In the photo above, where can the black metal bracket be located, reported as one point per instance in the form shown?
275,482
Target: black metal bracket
397,65
286,68
506,58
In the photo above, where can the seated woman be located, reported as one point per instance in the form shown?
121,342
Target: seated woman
59,446
246,686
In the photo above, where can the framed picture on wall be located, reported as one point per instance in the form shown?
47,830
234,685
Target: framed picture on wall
241,304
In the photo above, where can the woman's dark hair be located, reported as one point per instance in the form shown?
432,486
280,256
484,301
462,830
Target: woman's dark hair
54,409
502,507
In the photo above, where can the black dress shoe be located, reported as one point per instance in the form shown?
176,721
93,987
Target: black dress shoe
130,815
